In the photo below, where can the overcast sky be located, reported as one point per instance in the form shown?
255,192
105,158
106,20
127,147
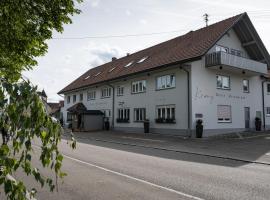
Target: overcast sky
68,58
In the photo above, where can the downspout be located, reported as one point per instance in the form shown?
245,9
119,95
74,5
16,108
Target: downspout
263,109
113,100
188,98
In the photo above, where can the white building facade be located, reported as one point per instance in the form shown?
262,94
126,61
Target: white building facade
226,87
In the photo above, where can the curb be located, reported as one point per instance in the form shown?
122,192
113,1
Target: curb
179,151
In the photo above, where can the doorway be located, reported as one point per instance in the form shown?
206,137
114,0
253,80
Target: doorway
247,117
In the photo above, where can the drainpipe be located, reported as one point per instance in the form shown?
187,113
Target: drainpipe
113,100
263,109
188,96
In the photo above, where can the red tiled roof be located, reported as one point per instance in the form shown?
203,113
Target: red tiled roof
180,49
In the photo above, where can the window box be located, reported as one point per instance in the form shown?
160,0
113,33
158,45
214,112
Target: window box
122,120
165,121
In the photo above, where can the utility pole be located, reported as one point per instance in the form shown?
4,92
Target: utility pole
206,18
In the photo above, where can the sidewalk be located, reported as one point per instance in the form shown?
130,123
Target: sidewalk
249,148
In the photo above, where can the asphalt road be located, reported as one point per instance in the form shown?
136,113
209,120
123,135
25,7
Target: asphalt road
110,171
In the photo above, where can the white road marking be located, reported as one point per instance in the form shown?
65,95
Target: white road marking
133,178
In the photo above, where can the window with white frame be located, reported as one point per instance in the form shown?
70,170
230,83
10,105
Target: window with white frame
246,85
224,113
81,97
74,98
123,114
222,49
106,92
164,82
69,117
166,112
223,82
91,95
68,99
138,86
107,112
120,91
139,114
236,52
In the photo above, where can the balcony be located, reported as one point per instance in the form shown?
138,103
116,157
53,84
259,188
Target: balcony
234,63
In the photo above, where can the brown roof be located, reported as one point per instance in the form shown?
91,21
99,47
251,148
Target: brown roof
190,46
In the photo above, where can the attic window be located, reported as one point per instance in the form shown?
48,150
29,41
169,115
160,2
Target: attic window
143,59
87,77
112,69
129,64
98,73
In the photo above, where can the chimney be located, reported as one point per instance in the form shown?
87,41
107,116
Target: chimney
114,58
128,54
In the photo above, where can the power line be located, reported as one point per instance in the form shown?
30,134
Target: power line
117,36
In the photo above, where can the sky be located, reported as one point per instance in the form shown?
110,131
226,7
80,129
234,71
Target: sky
106,29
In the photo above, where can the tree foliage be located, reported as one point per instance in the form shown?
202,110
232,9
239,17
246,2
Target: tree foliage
25,27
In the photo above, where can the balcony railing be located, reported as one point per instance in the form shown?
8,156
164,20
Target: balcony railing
226,59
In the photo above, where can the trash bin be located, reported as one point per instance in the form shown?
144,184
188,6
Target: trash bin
146,126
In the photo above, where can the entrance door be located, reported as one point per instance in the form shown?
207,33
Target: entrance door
247,117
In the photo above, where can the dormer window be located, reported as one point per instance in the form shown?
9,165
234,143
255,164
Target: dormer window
112,69
87,77
129,64
98,73
143,59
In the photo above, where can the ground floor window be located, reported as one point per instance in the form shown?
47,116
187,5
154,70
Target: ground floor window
107,112
268,111
123,115
139,114
69,117
165,113
224,113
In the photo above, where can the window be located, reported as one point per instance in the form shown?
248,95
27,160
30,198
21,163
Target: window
81,97
105,92
224,113
68,99
69,117
246,85
268,88
222,49
74,98
87,77
91,95
164,82
236,52
139,114
129,64
223,82
166,112
138,86
123,115
112,69
120,91
98,73
268,111
143,59
107,113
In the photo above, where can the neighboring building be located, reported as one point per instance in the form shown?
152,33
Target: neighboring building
214,74
55,110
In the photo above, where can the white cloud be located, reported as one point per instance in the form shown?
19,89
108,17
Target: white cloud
143,21
55,75
128,12
94,3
